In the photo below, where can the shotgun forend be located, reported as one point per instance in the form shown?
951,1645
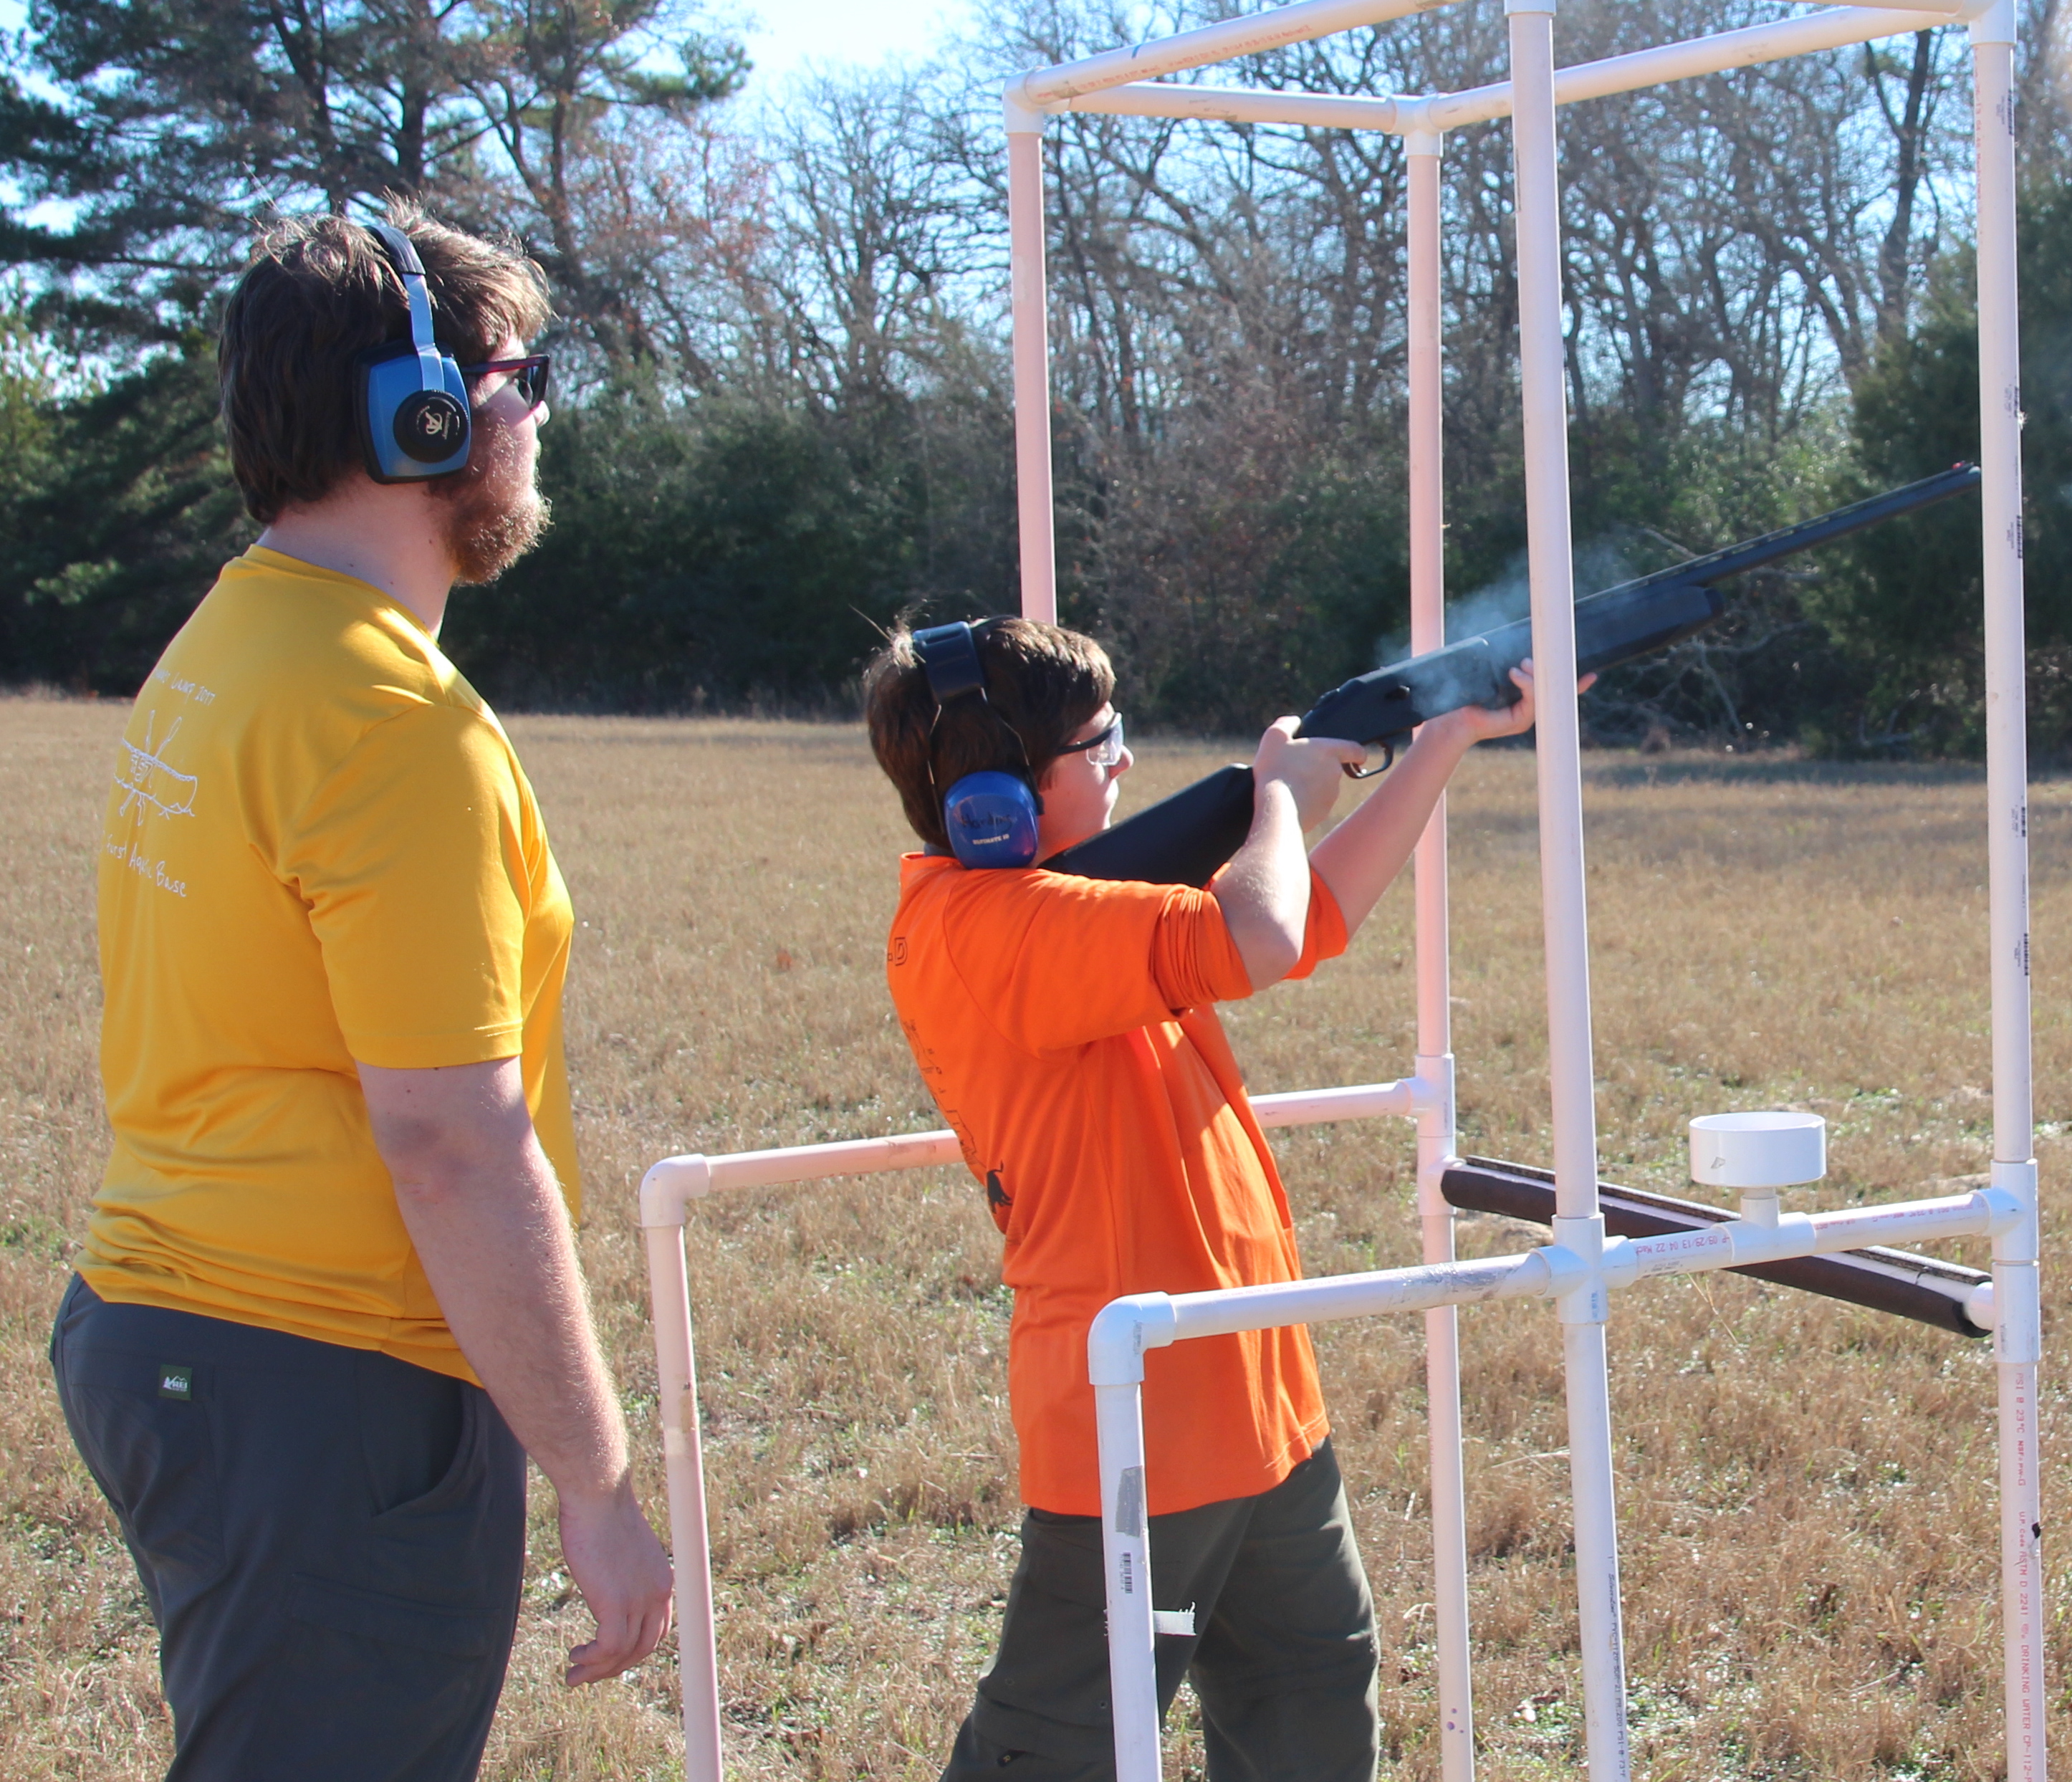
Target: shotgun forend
1183,839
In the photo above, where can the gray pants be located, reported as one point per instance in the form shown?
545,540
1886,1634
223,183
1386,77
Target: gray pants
1283,1661
331,1541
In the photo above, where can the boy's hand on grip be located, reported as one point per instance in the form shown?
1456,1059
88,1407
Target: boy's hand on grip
1312,767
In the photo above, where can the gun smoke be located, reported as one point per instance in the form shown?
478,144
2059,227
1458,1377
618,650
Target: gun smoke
1600,562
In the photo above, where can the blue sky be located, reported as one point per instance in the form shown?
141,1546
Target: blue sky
784,34
834,31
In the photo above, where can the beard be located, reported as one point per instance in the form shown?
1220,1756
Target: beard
493,512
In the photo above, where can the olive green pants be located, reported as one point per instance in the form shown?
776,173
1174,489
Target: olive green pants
1282,1660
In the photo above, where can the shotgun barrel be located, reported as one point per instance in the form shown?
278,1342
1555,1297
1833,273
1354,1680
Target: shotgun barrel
1184,839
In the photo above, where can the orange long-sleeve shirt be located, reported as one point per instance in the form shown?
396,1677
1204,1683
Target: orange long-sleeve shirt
1065,1030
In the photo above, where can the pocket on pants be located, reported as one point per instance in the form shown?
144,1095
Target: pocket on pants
455,1535
398,1621
369,1684
154,1460
459,1485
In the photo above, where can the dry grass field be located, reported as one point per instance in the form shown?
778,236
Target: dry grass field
1806,1490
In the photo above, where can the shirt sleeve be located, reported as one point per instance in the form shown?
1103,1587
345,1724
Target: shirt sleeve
410,859
1324,935
1079,959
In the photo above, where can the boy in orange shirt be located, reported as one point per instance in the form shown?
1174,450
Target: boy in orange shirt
1067,1030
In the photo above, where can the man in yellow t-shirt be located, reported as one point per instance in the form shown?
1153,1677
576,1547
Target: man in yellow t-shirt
328,1299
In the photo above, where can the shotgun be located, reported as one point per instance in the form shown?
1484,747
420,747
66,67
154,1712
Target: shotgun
1184,839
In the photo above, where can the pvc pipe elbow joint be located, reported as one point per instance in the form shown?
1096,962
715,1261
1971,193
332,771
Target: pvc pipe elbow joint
667,1189
2019,1239
1431,1088
1023,116
1575,1261
2004,1211
1576,1287
1122,1331
1413,123
1431,1194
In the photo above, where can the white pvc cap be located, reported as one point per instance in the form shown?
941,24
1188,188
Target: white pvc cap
1758,1151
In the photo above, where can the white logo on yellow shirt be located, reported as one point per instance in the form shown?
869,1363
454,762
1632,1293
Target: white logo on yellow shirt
151,780
150,784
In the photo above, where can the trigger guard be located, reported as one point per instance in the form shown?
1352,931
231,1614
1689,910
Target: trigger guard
1388,761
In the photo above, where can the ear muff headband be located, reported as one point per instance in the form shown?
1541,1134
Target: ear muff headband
403,251
949,658
414,411
990,816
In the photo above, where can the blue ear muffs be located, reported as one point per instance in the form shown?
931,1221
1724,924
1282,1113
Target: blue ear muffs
991,816
992,820
413,399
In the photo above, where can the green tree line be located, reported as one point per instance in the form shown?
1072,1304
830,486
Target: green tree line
782,417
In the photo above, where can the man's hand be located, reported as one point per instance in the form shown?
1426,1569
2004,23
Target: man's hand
480,1202
1311,768
624,1576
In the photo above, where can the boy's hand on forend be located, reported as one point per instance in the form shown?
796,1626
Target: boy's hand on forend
1485,723
1312,767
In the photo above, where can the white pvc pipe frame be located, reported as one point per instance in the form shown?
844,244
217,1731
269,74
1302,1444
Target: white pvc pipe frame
1579,1269
667,1191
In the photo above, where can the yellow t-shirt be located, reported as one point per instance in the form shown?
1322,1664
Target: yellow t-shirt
320,849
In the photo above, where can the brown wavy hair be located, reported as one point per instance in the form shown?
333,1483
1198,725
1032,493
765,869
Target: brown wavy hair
1043,680
317,291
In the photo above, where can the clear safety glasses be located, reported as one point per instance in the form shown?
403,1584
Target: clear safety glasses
1105,750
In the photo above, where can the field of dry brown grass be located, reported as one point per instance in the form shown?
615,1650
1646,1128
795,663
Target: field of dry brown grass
1806,1490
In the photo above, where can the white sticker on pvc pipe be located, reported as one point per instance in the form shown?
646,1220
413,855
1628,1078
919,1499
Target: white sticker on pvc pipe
1129,1502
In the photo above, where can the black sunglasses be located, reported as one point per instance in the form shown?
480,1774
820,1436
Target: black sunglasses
528,376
